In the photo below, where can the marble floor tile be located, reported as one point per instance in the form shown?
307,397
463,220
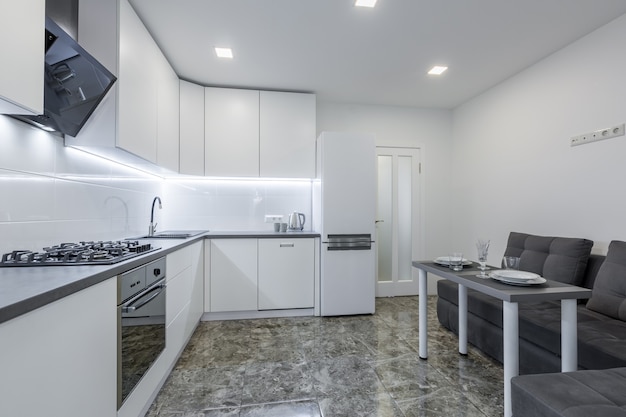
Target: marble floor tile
277,381
354,366
376,404
292,408
344,376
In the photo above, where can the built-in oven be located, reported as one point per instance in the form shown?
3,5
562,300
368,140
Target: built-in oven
141,324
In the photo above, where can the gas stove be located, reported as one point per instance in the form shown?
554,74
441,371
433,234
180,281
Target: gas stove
82,253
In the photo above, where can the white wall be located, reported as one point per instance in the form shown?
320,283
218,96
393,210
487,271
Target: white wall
429,130
51,194
513,167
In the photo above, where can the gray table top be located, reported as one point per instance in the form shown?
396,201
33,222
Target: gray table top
551,290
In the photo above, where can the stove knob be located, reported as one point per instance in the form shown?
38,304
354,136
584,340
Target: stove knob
157,272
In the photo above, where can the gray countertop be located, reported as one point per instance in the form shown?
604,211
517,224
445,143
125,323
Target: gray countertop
23,289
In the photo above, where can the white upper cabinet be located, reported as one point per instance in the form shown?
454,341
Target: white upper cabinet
137,94
231,132
148,95
287,135
22,25
191,128
168,116
251,133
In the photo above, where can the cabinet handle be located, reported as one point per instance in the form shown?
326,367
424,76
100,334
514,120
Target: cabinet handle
287,245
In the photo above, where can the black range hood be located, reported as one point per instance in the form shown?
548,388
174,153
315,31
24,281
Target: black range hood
75,83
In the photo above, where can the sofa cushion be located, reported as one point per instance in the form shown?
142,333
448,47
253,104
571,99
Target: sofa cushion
571,394
609,289
561,259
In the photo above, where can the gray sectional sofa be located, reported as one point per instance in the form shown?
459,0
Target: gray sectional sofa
601,329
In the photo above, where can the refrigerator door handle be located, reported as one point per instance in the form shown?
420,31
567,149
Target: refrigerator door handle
350,242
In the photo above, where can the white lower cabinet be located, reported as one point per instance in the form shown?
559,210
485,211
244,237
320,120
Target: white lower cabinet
60,360
259,274
286,273
233,275
184,297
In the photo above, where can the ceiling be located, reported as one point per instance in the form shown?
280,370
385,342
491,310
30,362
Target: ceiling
363,55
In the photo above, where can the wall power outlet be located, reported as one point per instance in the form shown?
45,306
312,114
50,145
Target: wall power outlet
601,134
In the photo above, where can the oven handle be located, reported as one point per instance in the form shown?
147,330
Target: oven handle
159,287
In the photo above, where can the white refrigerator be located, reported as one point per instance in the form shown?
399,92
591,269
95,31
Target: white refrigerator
344,201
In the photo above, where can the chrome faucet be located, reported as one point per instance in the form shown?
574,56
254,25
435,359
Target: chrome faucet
152,227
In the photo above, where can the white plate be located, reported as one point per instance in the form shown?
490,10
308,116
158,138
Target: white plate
534,281
515,275
445,260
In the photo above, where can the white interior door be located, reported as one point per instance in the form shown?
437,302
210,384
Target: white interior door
397,220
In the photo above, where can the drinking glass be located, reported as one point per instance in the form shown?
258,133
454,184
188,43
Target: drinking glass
456,261
511,262
483,248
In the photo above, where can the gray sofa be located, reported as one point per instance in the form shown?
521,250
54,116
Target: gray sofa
601,329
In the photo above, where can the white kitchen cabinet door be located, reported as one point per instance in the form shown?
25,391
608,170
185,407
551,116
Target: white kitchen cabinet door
287,135
233,275
196,305
168,116
185,289
137,92
286,273
22,25
60,360
207,276
191,128
231,132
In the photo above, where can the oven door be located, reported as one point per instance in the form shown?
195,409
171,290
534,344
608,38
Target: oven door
141,336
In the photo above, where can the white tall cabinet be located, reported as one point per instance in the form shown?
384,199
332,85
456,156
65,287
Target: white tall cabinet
22,25
60,360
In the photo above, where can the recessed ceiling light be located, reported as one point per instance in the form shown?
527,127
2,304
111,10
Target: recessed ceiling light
224,52
437,70
365,3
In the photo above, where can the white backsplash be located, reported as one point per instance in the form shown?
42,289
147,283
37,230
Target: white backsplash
233,205
50,193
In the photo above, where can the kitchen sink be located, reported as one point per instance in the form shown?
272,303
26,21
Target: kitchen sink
171,234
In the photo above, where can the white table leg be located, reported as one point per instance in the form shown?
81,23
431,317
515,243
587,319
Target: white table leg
569,336
423,314
462,319
511,350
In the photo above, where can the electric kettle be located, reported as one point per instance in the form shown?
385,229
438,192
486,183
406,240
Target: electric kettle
296,221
